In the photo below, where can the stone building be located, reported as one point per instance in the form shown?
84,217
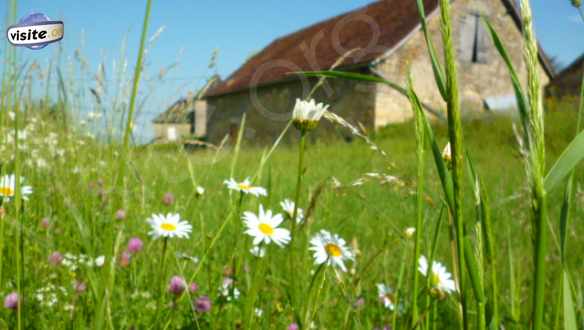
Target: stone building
567,82
183,120
383,39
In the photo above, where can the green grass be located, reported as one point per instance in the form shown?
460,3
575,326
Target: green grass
372,217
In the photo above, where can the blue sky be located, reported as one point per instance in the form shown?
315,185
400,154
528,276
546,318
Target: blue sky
236,28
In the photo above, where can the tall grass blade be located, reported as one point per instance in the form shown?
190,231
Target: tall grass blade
519,93
420,161
568,160
370,78
569,314
437,68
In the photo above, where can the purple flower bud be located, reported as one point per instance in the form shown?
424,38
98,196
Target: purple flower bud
125,259
120,214
11,301
193,287
168,199
80,287
177,285
203,304
293,326
56,258
135,245
45,223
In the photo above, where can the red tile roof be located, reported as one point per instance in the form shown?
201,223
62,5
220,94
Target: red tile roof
374,29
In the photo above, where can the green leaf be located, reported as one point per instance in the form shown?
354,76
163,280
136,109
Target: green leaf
476,278
443,173
519,94
436,66
567,161
565,216
369,78
569,314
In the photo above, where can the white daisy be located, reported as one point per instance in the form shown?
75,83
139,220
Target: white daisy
307,114
263,227
169,226
288,208
100,261
200,191
245,187
409,232
330,249
8,187
386,296
258,251
440,279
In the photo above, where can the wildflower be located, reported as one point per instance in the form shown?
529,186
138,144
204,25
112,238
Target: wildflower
120,214
203,304
360,302
264,227
169,226
8,188
199,191
259,312
386,296
330,249
11,301
307,114
409,232
99,261
193,287
228,289
440,279
45,223
245,187
258,251
288,208
125,259
56,258
79,287
168,199
177,285
293,326
135,245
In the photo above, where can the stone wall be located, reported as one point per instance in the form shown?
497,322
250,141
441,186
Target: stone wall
161,131
476,80
269,108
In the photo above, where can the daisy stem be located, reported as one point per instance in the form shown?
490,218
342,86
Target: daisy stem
162,271
301,146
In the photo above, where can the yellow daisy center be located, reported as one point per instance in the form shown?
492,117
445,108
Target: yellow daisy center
333,250
244,186
266,229
434,279
168,226
6,191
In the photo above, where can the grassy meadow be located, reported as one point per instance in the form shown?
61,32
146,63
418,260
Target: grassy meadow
386,232
73,210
